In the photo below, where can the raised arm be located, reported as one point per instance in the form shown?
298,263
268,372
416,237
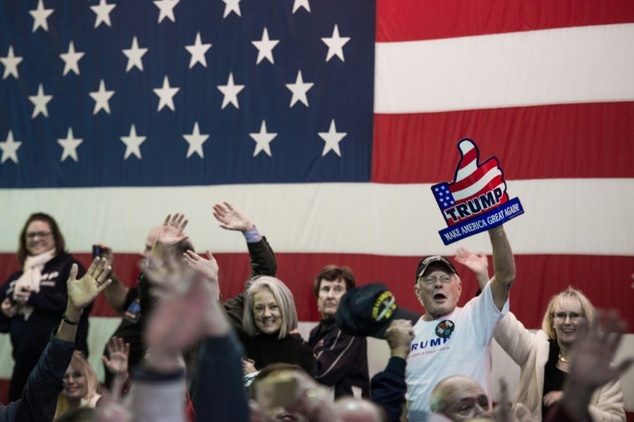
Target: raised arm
231,218
477,263
503,266
82,293
388,386
262,257
116,360
187,312
117,291
45,383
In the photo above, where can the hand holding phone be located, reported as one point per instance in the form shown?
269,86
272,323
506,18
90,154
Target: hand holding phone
103,251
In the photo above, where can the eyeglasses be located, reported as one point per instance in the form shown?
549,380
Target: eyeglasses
432,280
561,316
37,234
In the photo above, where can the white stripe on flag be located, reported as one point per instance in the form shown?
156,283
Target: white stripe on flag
554,66
393,220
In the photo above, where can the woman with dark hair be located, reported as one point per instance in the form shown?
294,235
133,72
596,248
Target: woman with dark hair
34,298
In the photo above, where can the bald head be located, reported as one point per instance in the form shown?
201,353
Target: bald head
459,399
350,409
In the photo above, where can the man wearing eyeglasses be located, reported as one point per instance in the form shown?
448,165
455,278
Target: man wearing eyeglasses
451,340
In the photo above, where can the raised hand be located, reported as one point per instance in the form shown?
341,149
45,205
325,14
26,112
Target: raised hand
178,221
117,362
172,230
477,263
399,336
82,292
231,218
181,316
590,365
207,267
591,362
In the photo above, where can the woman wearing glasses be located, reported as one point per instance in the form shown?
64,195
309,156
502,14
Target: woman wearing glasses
544,356
34,298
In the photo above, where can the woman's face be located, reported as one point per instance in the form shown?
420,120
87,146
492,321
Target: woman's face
569,322
266,312
39,238
75,384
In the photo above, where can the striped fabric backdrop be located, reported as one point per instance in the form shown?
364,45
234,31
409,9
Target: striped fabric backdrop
545,86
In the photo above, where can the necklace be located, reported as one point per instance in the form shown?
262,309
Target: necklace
562,359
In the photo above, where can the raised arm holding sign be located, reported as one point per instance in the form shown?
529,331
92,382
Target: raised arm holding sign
476,200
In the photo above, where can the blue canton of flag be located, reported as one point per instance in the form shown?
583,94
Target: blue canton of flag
185,92
443,195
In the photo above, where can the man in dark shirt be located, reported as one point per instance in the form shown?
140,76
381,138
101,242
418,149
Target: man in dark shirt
342,359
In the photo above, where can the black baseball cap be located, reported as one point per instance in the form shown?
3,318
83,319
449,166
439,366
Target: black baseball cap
369,310
434,259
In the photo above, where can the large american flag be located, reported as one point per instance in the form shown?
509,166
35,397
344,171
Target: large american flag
182,93
326,122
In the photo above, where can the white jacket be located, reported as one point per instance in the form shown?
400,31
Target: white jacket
530,351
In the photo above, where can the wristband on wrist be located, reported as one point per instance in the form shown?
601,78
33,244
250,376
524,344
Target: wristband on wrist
68,321
252,236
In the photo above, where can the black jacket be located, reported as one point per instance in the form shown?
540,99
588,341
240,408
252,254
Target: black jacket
342,359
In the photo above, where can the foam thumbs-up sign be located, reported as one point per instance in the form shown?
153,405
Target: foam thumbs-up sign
476,199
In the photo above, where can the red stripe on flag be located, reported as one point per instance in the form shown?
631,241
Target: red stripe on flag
530,142
604,279
411,20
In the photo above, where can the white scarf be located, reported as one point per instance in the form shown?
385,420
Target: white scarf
31,277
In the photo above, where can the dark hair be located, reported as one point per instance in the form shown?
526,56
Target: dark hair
334,273
60,243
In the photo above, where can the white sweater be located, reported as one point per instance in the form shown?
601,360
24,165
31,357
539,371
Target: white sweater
530,351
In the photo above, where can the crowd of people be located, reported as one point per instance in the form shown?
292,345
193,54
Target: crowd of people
183,352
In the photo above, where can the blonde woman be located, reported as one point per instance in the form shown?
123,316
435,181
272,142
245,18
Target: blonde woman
544,356
81,388
270,318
